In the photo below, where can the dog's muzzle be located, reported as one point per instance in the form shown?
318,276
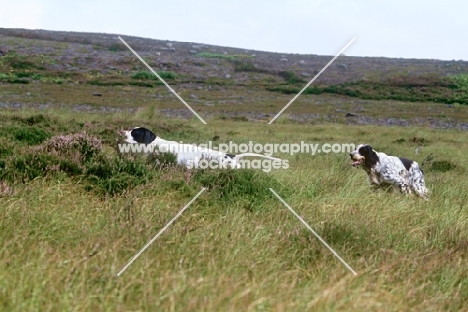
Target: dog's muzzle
357,159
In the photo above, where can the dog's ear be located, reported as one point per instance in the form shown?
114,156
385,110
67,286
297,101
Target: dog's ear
366,150
143,136
370,156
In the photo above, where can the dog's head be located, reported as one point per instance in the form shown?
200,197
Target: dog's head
139,135
364,154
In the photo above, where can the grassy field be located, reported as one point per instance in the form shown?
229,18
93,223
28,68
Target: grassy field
73,211
70,222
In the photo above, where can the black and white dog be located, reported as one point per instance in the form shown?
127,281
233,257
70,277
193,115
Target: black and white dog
188,154
401,173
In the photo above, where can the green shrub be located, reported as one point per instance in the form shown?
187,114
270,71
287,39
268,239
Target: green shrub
246,66
24,168
111,186
291,77
37,119
147,75
6,147
79,147
116,47
142,84
16,61
461,81
36,76
162,160
167,75
23,74
442,166
284,90
65,154
232,185
21,64
314,90
30,135
18,80
115,175
70,167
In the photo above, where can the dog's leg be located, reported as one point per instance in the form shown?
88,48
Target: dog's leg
404,187
420,188
416,179
421,191
389,176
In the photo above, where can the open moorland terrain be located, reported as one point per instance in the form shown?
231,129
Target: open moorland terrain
74,211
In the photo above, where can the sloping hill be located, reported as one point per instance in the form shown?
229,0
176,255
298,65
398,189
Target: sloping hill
67,68
93,51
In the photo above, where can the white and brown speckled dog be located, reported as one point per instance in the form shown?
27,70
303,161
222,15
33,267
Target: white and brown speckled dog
401,173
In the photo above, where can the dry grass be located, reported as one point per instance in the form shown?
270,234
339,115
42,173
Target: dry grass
226,101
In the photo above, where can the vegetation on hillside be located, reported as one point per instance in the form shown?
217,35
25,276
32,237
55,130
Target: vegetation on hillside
426,88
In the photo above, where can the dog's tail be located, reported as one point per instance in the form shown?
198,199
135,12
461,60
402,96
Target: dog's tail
240,156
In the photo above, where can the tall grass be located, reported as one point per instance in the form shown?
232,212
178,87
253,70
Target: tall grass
236,248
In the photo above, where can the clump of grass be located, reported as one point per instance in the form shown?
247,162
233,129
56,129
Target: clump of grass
111,175
24,168
143,84
25,77
419,141
78,156
233,185
79,146
67,154
442,166
247,66
20,62
291,77
146,75
6,147
37,119
461,81
431,164
162,160
29,135
11,78
117,47
28,74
